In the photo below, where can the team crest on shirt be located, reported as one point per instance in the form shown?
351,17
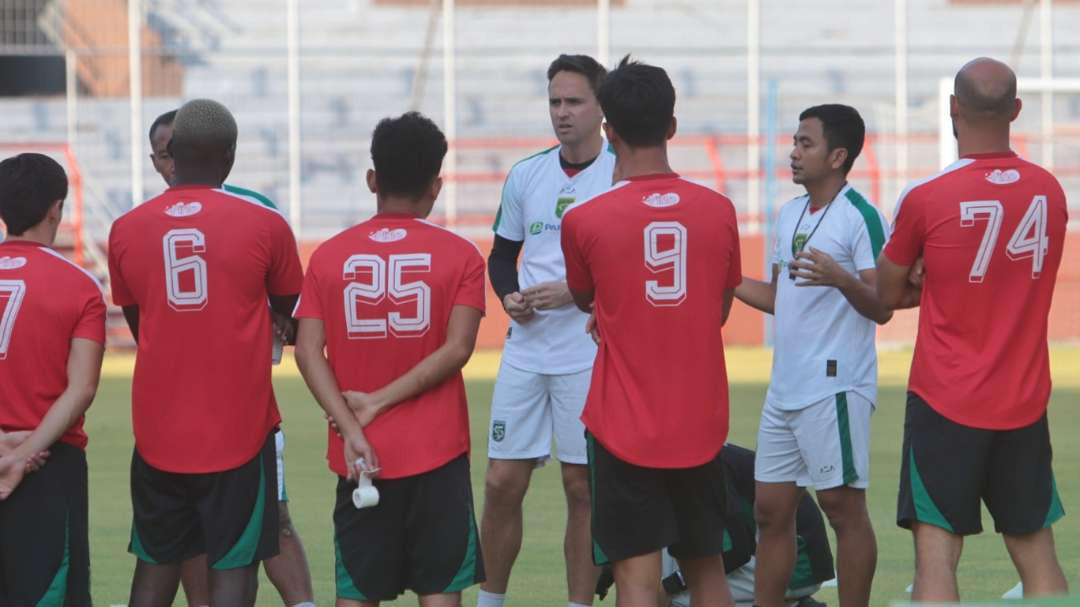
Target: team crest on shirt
183,209
12,263
668,199
498,430
999,177
561,204
388,235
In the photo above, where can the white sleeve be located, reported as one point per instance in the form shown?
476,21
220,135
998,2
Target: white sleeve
510,221
870,235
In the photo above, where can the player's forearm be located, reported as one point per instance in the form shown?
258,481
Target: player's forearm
319,376
84,371
434,369
757,294
909,297
502,266
864,298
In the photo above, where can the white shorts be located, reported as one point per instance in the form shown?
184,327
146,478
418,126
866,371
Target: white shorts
825,445
528,409
279,449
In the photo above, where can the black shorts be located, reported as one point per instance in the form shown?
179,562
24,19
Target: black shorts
231,516
948,467
638,510
421,536
44,546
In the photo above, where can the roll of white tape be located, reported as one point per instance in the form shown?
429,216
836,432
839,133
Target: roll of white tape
365,497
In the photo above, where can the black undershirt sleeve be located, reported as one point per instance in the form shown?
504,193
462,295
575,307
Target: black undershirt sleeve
502,266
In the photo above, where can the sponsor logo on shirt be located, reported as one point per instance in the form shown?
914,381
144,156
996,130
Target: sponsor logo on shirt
561,204
498,430
184,209
12,263
536,227
388,235
658,200
999,177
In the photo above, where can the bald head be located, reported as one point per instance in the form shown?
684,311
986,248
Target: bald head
203,142
985,90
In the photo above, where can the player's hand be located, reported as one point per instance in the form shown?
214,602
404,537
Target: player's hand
592,329
283,328
363,405
333,425
548,295
10,440
37,461
12,470
517,307
818,269
357,447
917,273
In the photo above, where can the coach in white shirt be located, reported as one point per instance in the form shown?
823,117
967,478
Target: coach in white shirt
815,425
547,359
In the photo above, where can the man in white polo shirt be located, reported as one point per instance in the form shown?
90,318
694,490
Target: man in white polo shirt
547,360
815,425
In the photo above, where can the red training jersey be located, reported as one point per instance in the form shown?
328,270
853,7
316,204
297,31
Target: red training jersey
660,252
384,290
990,229
45,302
200,263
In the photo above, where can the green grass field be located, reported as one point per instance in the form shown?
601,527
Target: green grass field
538,576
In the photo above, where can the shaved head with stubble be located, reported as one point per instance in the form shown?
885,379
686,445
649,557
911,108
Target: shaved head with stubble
985,90
203,143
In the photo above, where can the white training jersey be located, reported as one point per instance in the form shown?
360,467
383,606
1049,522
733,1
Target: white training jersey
822,345
534,198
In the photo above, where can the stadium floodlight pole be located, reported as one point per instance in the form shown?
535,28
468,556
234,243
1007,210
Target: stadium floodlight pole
135,98
753,111
901,42
603,31
293,76
1046,72
71,96
450,112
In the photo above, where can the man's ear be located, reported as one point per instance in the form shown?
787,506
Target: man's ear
837,158
436,187
56,212
371,184
674,126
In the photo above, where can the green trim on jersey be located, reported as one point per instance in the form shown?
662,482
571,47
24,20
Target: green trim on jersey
1056,511
872,219
466,574
498,214
926,511
843,425
346,587
136,547
599,558
56,593
252,194
242,553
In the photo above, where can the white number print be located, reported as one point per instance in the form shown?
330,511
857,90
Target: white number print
378,283
181,299
1028,240
13,291
671,259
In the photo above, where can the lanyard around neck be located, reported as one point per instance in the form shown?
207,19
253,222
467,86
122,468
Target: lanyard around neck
795,250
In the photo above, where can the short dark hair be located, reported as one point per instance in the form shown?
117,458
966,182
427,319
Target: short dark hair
579,64
407,153
843,128
29,185
163,120
638,102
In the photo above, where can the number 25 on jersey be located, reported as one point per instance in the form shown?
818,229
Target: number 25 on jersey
385,277
1028,240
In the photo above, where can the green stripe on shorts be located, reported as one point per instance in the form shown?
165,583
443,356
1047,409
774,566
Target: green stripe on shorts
1056,511
346,587
136,547
844,427
466,574
599,558
926,511
56,593
242,554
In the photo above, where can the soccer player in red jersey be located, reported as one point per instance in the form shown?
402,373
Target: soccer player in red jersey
52,336
388,317
193,269
988,233
657,259
288,571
